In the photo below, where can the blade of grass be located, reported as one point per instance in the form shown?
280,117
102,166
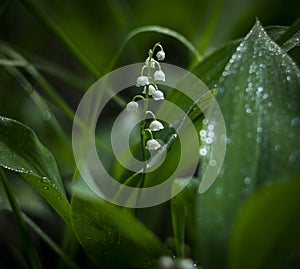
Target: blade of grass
50,68
211,24
38,100
70,245
293,29
161,30
45,85
56,98
51,243
31,253
56,32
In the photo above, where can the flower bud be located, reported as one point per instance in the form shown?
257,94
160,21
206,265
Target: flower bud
152,64
132,106
160,55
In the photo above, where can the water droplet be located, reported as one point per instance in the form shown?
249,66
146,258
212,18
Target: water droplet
208,140
44,180
212,162
248,110
259,129
211,134
203,151
265,96
45,187
277,147
258,140
295,122
205,121
58,198
260,89
202,133
46,115
211,127
247,180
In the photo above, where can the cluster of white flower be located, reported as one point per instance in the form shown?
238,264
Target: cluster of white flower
150,89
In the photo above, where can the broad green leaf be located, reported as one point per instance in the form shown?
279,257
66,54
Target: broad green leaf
23,153
267,228
112,236
260,99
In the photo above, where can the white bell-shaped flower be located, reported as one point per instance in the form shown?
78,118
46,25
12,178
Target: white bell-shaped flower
152,64
158,95
151,90
160,55
132,106
142,81
159,75
156,126
153,144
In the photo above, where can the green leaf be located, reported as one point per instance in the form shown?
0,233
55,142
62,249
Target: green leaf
22,152
183,215
267,228
112,236
260,99
165,31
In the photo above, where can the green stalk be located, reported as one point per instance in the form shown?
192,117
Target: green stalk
56,32
30,251
51,243
293,29
210,26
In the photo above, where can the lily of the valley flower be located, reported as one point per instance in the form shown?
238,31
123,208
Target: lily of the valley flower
156,126
152,64
142,81
153,144
160,55
150,91
159,75
132,106
158,95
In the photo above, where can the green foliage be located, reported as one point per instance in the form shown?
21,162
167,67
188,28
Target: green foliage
249,217
22,152
261,84
266,230
104,229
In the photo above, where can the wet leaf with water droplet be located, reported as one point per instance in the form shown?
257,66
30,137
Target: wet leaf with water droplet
259,100
112,236
23,153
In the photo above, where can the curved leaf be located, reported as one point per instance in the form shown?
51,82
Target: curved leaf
22,152
112,236
260,99
267,228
